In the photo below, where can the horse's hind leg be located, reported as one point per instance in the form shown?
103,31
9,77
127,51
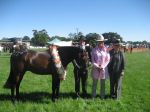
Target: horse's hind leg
13,87
19,79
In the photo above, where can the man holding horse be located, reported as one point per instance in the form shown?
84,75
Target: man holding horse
80,70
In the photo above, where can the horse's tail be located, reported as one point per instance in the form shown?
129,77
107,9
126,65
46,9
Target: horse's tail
9,83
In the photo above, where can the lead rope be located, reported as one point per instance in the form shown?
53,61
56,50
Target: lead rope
56,59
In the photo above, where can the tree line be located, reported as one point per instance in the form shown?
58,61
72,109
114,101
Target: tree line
40,38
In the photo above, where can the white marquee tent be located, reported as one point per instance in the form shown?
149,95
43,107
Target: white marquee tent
60,43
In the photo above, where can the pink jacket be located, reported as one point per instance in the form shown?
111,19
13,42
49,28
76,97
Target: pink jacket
99,57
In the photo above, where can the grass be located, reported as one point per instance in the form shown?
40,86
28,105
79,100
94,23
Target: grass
36,90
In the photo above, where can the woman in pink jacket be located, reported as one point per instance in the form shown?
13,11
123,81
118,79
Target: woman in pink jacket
100,59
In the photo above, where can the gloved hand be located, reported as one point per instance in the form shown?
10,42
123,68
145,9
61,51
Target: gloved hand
122,73
89,63
99,67
78,67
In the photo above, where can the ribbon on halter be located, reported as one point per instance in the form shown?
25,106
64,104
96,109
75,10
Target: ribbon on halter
56,59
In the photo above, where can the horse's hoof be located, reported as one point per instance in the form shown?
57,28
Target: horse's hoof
53,100
18,99
62,78
13,101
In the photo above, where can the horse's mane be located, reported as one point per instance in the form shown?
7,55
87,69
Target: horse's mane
60,49
32,51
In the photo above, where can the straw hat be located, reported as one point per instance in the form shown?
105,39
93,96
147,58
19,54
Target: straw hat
100,38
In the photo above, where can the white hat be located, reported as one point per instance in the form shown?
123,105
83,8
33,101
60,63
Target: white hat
100,38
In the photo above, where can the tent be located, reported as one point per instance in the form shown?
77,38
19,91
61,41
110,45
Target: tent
60,43
54,41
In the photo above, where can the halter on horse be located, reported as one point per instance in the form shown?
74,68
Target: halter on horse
39,63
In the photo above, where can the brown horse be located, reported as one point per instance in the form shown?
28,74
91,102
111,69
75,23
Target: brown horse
39,63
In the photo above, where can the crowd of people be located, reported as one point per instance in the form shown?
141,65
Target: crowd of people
105,63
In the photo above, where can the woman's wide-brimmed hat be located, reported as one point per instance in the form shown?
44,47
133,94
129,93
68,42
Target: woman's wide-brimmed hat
101,38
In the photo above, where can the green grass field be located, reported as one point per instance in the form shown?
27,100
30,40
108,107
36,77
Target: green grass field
35,91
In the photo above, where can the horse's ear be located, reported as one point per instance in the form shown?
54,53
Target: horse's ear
52,46
49,46
56,47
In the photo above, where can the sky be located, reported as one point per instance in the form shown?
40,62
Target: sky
129,18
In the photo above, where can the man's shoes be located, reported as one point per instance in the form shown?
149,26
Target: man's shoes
77,95
113,96
84,95
102,97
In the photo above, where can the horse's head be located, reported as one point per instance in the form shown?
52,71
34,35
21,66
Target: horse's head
67,55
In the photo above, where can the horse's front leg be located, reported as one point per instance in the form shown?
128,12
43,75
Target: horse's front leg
54,81
57,88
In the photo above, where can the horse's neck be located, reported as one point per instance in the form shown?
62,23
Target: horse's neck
68,54
67,60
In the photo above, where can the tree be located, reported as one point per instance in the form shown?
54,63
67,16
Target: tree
40,38
60,38
71,35
5,38
111,37
26,38
76,36
91,38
